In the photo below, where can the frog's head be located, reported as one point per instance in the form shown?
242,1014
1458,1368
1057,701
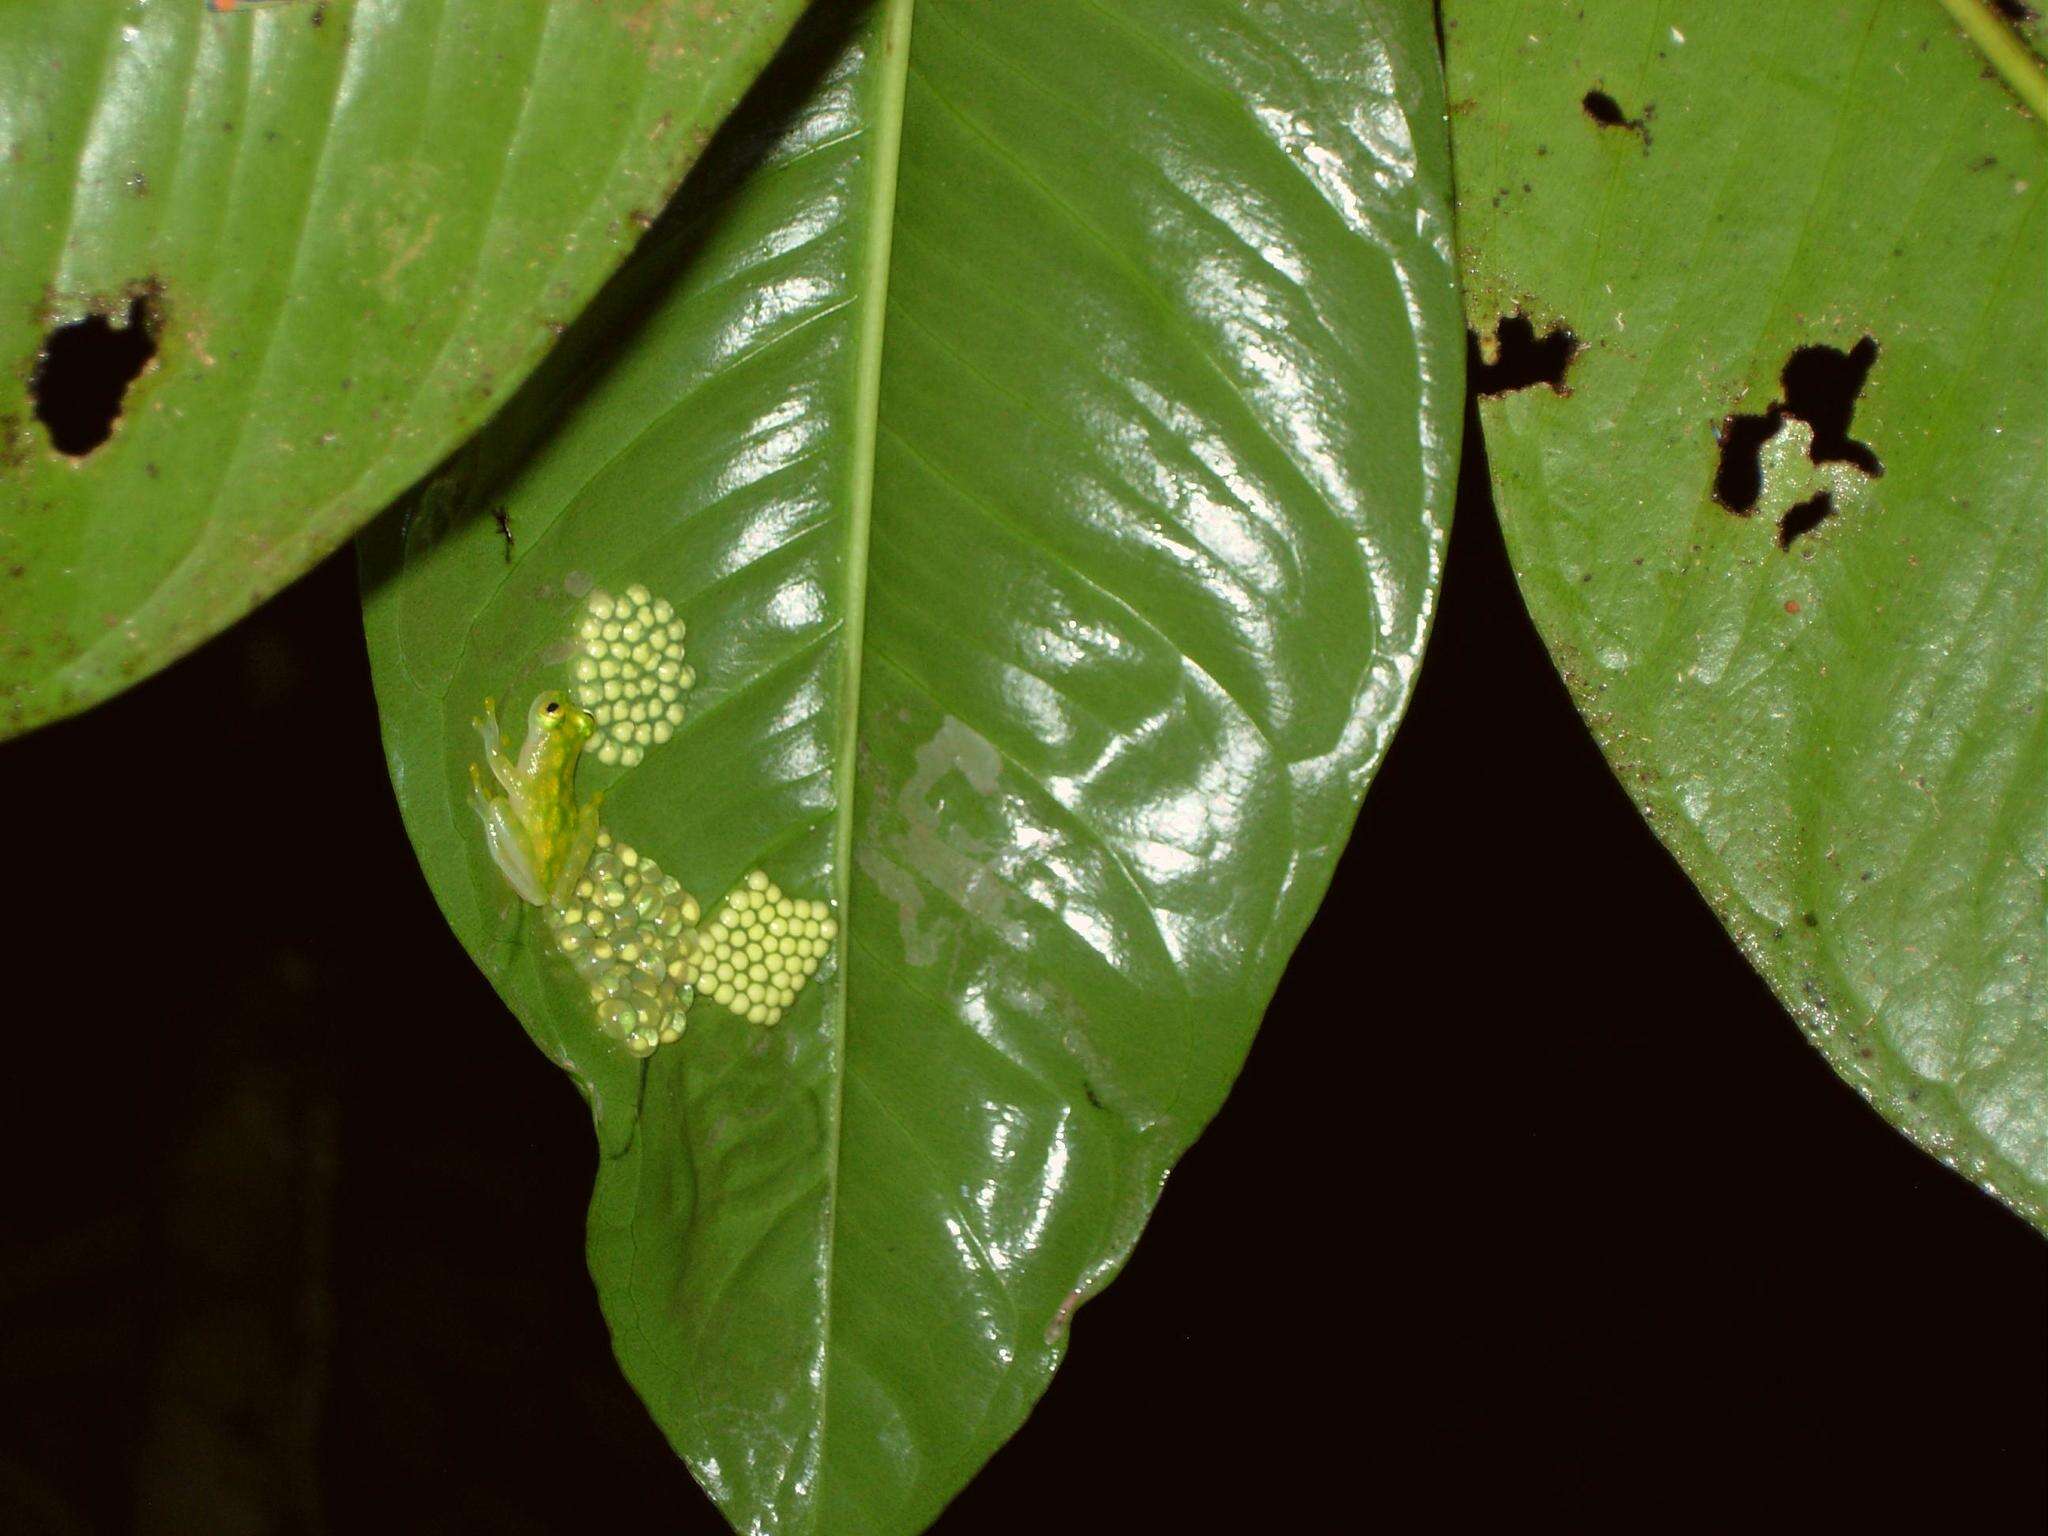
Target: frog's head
552,714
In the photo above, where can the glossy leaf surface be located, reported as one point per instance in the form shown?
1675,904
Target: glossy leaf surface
351,229
1801,249
1043,416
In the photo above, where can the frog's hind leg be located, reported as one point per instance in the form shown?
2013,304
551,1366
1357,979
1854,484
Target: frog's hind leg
582,842
507,849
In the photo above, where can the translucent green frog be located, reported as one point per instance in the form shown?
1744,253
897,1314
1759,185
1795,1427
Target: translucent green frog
539,837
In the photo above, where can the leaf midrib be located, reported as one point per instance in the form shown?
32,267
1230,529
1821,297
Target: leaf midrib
893,42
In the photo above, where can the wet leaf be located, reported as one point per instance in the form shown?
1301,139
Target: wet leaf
1781,525
261,267
1043,417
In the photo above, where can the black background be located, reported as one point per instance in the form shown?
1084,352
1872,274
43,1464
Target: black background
1530,1202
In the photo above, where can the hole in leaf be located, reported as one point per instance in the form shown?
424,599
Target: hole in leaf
1522,359
1739,479
84,372
1804,517
1604,109
1819,385
1607,113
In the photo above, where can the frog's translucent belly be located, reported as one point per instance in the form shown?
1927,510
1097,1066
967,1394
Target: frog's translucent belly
566,849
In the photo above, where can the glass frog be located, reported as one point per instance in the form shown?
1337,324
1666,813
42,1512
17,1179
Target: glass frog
539,837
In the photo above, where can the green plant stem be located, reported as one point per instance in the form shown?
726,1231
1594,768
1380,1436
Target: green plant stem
2008,52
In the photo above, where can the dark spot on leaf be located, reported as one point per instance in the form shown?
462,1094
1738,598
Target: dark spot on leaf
84,369
1093,1097
1804,517
1819,385
1606,111
2015,11
503,517
1522,359
1811,920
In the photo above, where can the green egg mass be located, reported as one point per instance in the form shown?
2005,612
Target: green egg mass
760,947
631,933
630,673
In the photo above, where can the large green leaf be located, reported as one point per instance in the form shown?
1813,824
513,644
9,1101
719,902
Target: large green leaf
351,228
1044,418
1840,727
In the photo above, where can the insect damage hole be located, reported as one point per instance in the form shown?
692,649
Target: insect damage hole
1606,112
83,374
1739,477
1821,387
1804,517
1818,385
1521,359
1604,109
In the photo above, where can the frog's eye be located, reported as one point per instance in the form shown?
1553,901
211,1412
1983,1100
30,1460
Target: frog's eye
551,708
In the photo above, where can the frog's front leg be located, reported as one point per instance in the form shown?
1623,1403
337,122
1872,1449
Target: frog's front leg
503,768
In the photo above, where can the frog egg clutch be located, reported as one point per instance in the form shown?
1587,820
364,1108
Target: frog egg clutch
631,933
630,674
761,947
